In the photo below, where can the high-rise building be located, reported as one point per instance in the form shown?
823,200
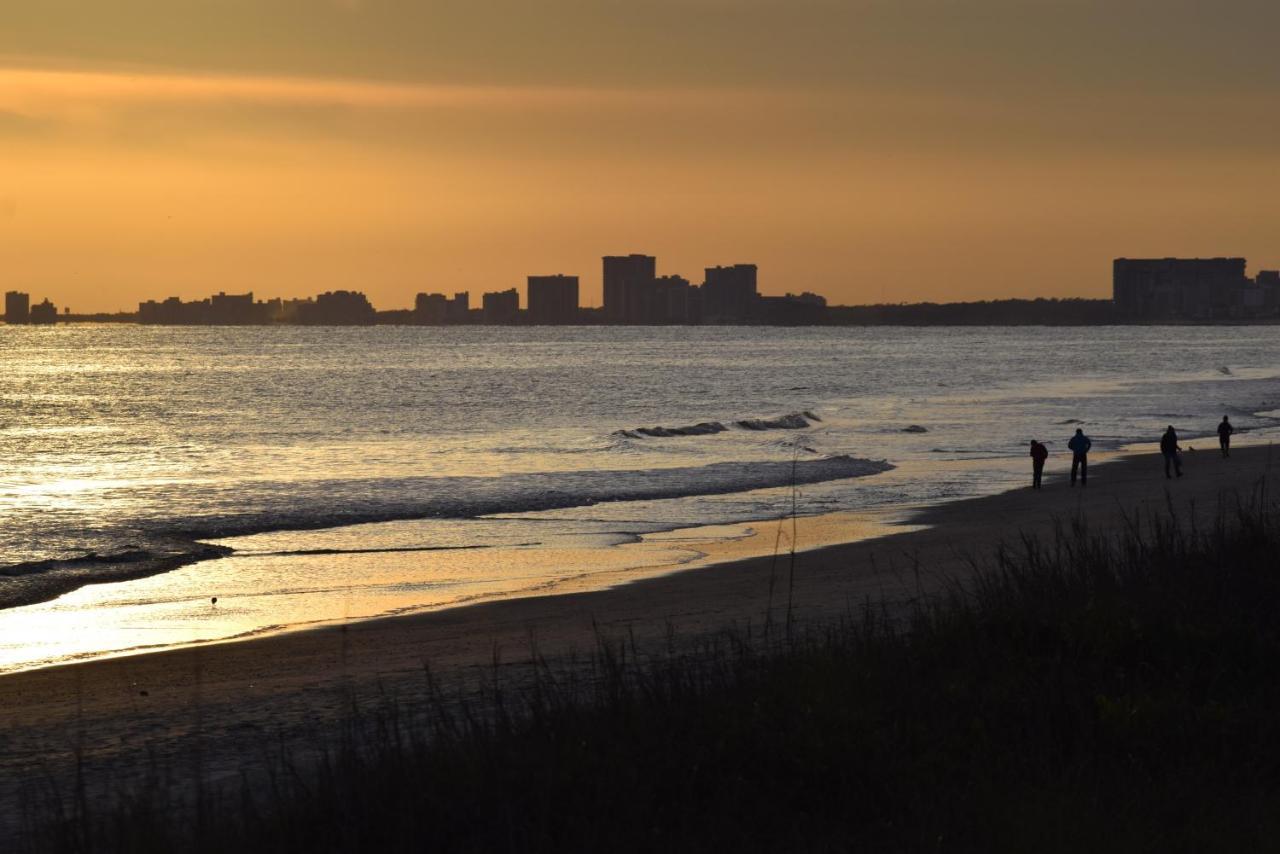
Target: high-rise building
553,299
629,288
17,307
44,312
231,309
292,309
1264,298
1192,288
459,308
729,293
337,308
270,311
671,300
430,309
501,306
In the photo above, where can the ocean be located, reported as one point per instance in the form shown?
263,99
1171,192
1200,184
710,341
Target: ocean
435,466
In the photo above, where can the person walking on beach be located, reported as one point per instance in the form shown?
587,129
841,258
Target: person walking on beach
1169,448
1039,453
1224,436
1080,445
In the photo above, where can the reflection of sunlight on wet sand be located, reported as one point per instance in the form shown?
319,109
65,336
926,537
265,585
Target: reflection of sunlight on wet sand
264,594
269,593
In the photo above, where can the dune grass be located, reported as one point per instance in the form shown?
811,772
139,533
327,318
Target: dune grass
1082,693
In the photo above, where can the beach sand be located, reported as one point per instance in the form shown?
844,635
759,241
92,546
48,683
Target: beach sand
218,704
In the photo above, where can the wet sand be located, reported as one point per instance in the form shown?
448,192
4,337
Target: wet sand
216,705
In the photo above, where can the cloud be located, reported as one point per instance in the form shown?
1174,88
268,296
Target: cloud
140,107
150,107
26,89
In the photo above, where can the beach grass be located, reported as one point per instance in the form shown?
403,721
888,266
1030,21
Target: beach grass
1093,692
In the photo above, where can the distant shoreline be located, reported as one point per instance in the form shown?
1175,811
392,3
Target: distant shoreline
1008,312
112,320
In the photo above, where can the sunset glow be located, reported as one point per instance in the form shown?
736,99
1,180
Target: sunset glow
869,151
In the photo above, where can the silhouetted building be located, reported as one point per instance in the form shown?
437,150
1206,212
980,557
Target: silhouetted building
337,308
671,300
633,294
729,293
292,309
1179,288
44,312
17,307
501,306
430,309
696,300
804,309
629,288
269,311
553,299
1264,297
221,309
459,310
172,312
231,309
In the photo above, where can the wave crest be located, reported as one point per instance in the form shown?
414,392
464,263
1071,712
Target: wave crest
790,421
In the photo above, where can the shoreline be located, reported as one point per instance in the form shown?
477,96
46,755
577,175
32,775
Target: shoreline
920,522
833,531
645,556
112,717
650,555
41,581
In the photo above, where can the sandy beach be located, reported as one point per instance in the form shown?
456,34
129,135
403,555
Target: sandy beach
118,713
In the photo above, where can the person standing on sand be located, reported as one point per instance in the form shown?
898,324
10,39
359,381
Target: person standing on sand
1080,445
1039,453
1224,436
1169,448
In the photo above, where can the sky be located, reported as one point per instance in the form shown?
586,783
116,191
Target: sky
869,150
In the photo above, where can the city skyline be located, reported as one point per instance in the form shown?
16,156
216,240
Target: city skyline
634,295
1260,274
1143,290
873,152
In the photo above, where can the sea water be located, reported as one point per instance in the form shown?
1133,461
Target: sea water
357,472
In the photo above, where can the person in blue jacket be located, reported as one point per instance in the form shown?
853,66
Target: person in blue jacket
1080,445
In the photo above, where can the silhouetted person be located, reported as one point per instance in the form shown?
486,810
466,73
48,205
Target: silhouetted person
1224,436
1169,447
1039,453
1080,445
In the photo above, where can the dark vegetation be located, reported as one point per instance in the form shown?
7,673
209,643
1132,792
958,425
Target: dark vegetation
1088,693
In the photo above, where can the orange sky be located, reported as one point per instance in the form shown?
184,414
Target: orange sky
869,150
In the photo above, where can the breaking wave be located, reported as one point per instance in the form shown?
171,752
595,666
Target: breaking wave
791,421
158,545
